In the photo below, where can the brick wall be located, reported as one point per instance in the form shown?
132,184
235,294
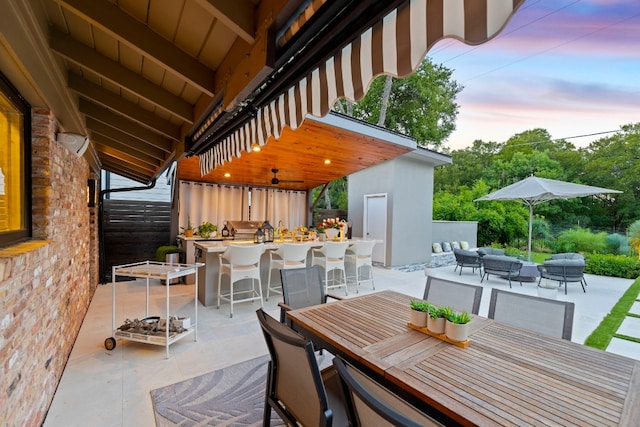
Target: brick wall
46,284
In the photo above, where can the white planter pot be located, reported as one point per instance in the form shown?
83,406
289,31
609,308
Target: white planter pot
456,331
436,325
419,318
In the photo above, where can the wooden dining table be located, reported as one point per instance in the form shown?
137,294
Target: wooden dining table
506,376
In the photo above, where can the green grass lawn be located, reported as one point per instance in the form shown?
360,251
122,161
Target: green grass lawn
602,335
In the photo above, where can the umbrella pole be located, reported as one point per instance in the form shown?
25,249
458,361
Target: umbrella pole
530,228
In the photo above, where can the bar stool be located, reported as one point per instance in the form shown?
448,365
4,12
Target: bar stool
331,257
287,256
360,254
240,262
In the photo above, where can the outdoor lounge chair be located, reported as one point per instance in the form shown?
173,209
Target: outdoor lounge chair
503,266
563,271
467,259
296,388
546,316
371,404
460,296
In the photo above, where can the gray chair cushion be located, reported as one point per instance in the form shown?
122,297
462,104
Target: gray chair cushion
567,255
565,261
490,251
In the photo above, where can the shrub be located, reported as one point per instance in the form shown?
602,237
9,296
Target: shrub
618,244
613,266
581,240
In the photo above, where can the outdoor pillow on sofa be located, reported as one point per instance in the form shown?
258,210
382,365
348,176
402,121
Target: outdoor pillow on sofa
446,247
490,251
464,245
436,248
455,245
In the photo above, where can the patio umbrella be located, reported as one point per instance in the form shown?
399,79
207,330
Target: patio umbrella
534,190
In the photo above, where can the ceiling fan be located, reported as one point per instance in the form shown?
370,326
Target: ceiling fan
276,181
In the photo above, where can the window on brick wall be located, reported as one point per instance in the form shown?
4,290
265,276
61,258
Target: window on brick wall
15,169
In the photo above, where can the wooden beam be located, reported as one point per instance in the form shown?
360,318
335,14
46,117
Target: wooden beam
237,15
86,57
247,64
108,99
124,157
125,125
123,169
125,138
125,28
101,140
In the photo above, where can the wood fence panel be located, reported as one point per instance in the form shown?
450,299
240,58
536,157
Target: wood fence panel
132,231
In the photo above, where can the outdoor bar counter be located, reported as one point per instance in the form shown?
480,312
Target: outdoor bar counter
207,253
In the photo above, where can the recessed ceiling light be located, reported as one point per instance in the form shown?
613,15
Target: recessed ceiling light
327,162
227,175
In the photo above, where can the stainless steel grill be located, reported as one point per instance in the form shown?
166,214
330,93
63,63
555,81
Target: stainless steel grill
243,230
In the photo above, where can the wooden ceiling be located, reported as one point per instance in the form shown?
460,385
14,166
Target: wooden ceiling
140,74
300,156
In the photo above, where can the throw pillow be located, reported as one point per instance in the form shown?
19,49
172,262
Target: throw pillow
455,245
464,245
437,249
446,247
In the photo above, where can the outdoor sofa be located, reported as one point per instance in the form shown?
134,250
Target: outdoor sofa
500,265
564,268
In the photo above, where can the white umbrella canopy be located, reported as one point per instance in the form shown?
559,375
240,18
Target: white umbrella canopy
534,190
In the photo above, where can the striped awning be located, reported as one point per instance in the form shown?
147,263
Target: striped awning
394,46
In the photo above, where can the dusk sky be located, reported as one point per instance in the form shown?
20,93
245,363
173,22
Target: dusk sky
570,67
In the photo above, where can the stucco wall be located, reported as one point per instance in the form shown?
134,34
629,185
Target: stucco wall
45,284
450,231
408,182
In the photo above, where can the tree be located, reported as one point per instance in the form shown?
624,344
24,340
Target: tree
613,162
422,105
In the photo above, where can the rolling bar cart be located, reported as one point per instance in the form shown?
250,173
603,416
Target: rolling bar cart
154,270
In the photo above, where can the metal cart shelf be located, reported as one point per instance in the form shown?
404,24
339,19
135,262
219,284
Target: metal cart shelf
154,270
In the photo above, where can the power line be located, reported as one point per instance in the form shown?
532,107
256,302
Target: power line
566,137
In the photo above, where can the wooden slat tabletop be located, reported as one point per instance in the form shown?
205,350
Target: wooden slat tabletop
507,376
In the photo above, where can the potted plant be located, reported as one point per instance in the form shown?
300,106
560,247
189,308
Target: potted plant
547,289
188,230
457,326
435,322
419,312
207,230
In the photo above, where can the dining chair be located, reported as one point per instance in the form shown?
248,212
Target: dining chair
360,254
460,296
302,287
331,258
296,389
240,262
542,315
370,404
288,255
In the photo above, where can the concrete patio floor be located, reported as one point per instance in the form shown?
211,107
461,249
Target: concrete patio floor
111,388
